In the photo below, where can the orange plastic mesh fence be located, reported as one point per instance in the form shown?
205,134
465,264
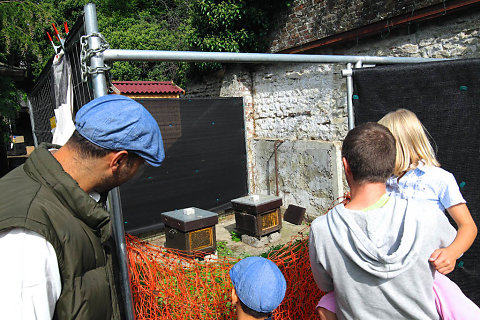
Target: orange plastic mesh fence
169,284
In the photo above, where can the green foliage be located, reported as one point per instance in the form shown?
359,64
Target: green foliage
22,34
236,236
232,26
147,25
223,250
205,25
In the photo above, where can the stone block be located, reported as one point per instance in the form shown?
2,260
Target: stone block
262,242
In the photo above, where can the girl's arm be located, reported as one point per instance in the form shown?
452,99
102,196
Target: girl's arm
444,259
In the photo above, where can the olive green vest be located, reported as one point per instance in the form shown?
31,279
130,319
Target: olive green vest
41,197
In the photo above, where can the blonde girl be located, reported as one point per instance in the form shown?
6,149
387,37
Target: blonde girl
418,175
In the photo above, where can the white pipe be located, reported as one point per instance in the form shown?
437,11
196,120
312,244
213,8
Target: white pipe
32,122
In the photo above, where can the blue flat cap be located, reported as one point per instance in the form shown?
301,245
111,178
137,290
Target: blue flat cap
116,122
259,284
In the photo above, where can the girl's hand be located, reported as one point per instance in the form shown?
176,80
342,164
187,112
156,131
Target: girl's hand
443,260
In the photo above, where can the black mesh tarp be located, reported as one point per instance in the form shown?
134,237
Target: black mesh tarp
446,98
205,164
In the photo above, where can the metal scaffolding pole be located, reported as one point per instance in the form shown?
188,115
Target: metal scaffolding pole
99,85
234,57
99,82
347,73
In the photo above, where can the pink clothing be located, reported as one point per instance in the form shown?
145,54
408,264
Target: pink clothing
451,302
328,302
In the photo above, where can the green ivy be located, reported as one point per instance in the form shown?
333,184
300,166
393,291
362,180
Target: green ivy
232,26
236,236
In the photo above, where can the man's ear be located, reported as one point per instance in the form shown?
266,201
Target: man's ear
346,166
234,296
116,159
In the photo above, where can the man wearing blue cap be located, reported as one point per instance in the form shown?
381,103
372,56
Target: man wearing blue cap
258,288
55,238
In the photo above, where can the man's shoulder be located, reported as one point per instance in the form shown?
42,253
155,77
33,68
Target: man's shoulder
321,222
18,185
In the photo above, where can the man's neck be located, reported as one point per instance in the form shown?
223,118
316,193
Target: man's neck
364,195
82,171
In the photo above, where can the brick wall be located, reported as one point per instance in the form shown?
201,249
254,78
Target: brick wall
309,20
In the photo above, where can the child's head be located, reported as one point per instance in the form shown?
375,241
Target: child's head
369,150
411,140
259,286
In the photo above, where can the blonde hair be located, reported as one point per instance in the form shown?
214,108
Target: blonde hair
411,140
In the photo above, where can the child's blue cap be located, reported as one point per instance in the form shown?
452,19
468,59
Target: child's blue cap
259,284
116,122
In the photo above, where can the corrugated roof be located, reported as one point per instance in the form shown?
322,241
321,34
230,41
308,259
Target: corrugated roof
147,87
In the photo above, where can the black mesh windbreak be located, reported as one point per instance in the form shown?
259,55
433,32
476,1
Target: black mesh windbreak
205,164
446,98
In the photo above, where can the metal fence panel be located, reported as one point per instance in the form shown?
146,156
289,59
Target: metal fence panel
42,96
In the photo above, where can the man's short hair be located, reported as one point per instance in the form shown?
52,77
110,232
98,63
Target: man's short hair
370,152
254,313
88,149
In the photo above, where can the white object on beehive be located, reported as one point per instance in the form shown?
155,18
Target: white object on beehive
189,211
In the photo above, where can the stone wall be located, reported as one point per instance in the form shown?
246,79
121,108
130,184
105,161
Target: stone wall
307,172
304,105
